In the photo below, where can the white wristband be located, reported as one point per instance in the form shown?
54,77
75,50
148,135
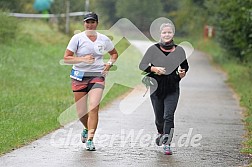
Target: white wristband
110,63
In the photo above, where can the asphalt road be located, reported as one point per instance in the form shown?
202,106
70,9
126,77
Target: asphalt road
208,130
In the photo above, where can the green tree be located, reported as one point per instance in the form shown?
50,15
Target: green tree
233,19
59,7
141,13
170,5
190,17
17,6
106,9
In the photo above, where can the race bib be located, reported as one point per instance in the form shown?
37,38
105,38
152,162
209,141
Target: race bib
77,75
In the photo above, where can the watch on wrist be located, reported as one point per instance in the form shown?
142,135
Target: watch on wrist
110,63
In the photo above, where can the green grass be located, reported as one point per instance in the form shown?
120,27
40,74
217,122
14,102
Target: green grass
239,79
33,85
35,88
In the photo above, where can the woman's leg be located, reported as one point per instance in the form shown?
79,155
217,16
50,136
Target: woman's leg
170,105
81,107
95,95
158,107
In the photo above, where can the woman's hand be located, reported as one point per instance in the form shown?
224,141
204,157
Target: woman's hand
106,69
181,73
158,70
89,59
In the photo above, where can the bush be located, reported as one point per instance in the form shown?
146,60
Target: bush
8,27
233,19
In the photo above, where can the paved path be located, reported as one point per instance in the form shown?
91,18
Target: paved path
208,130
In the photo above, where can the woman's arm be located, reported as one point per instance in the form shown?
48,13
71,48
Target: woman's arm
69,58
184,65
183,69
113,57
145,64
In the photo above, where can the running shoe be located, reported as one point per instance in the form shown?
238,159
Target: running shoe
159,142
90,145
84,135
167,150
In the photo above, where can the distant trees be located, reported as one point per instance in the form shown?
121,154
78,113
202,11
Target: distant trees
107,10
17,6
189,17
141,13
232,19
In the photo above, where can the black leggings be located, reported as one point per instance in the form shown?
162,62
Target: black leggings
164,109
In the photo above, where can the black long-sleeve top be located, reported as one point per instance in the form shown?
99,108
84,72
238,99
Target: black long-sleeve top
154,56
